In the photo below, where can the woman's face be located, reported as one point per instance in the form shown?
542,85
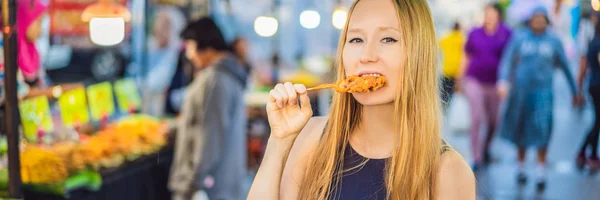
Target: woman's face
373,46
162,28
491,16
538,22
34,30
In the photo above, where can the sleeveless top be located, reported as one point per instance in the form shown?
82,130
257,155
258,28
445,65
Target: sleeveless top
366,182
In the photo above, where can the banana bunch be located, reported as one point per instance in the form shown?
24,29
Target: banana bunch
41,166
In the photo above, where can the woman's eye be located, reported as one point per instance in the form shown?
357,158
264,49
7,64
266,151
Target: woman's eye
355,40
389,40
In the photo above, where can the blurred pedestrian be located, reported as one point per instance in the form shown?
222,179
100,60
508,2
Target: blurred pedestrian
184,75
526,81
239,47
163,55
591,68
484,49
210,145
562,25
29,28
452,53
585,35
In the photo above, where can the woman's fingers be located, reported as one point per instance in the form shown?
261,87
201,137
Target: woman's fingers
276,97
291,92
287,95
304,99
282,91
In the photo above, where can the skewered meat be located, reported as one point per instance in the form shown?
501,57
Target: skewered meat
352,84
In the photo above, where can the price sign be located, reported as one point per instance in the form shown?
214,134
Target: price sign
35,116
128,96
100,97
73,108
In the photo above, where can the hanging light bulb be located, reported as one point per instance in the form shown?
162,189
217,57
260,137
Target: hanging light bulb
339,18
99,34
265,26
596,5
106,21
310,19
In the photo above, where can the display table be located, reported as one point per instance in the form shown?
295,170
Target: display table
144,179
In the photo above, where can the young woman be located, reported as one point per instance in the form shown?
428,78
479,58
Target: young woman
484,50
594,88
528,64
379,145
29,25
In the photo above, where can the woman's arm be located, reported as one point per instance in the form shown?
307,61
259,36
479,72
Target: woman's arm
582,73
455,178
287,118
267,181
508,60
505,69
284,163
563,63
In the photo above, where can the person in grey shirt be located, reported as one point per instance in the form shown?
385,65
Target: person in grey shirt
210,145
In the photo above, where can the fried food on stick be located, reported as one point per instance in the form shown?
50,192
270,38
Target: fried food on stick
352,84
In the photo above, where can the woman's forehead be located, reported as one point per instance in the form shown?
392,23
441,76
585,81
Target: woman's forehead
373,14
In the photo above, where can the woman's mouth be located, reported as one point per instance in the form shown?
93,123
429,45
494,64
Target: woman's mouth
370,75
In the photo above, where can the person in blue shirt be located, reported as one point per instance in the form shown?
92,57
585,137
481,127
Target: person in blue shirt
210,144
164,48
525,82
592,69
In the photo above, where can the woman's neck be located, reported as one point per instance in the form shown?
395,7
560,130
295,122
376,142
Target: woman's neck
490,29
374,136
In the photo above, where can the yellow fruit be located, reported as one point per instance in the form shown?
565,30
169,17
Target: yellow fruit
41,166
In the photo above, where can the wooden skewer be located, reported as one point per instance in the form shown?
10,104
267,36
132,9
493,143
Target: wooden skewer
324,86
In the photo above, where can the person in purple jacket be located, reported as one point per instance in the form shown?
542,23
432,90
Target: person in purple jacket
483,50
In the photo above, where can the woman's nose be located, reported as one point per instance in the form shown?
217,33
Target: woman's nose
369,53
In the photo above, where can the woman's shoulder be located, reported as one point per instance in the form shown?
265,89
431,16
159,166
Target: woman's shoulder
455,179
311,133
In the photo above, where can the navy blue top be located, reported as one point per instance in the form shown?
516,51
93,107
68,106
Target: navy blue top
365,182
592,60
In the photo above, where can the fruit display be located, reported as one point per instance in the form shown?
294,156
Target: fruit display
122,141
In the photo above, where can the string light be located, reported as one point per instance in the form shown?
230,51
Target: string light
266,26
310,19
339,18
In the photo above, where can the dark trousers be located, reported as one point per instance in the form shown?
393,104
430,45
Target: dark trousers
592,137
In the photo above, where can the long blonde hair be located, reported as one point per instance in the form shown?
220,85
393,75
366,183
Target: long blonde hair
411,172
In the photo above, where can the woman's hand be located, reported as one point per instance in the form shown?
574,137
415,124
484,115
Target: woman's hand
458,85
502,90
286,117
578,100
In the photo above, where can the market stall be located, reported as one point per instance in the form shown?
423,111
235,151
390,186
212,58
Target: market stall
89,143
144,178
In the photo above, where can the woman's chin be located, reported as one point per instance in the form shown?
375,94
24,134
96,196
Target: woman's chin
378,97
